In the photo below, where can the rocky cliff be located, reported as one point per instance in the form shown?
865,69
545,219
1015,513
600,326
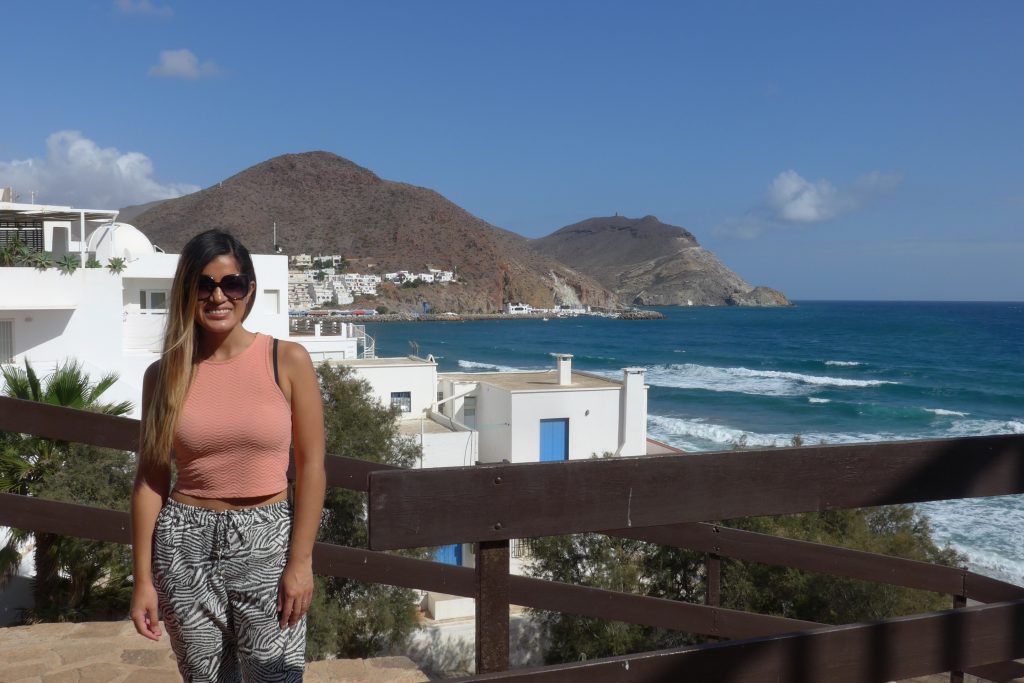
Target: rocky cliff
648,263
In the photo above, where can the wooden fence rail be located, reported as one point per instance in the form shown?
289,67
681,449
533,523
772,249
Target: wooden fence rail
664,500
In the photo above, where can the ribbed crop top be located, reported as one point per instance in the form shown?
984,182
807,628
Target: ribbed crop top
235,428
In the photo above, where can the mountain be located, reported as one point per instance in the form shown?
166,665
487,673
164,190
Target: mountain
648,263
324,204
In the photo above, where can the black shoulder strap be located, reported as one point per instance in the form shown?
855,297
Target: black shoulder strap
276,378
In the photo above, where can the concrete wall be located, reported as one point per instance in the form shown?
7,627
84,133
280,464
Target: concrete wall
493,422
416,377
451,449
593,416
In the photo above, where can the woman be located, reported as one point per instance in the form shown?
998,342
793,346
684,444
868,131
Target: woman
220,553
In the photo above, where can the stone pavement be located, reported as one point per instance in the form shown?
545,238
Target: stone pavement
111,652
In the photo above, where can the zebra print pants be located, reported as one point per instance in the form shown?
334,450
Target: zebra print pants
217,575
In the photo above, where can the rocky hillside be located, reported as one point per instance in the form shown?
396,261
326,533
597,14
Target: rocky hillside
648,263
323,203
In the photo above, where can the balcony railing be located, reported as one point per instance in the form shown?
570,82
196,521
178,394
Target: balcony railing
661,499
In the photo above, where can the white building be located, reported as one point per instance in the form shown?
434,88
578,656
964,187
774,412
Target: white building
301,260
518,308
107,320
464,418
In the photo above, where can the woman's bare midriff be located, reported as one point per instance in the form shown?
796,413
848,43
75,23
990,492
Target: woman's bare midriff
222,504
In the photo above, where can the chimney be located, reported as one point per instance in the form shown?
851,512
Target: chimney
6,193
563,361
633,413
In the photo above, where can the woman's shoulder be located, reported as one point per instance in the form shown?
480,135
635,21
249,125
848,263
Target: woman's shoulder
292,354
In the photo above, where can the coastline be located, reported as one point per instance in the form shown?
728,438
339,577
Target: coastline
469,317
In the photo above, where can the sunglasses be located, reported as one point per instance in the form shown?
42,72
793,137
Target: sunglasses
234,287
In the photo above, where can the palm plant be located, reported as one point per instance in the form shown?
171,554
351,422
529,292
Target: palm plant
67,264
40,260
116,265
15,253
52,469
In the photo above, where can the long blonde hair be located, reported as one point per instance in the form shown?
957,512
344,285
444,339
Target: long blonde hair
179,356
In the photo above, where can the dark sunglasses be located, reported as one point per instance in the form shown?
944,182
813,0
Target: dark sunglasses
234,287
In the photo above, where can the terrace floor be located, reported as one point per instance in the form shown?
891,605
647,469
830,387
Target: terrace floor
111,652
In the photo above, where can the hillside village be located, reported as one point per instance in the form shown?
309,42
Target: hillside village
316,281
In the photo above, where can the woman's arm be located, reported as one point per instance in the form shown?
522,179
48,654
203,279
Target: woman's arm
148,496
296,590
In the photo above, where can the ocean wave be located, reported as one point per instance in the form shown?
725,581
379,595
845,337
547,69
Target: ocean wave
699,435
475,365
813,399
746,381
843,363
942,412
985,427
987,530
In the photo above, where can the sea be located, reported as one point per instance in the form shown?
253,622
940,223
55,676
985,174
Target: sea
826,372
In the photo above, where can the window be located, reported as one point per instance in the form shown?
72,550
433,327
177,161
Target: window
29,233
154,300
440,396
469,412
271,301
6,341
402,399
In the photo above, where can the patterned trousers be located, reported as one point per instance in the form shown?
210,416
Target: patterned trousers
217,577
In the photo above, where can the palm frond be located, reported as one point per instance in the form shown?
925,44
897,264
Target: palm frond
17,383
33,381
97,389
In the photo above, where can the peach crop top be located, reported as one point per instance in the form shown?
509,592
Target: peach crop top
234,431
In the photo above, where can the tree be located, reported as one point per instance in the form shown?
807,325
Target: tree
75,578
350,618
896,530
647,569
616,564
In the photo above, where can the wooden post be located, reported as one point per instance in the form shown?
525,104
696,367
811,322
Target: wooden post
492,596
714,587
958,602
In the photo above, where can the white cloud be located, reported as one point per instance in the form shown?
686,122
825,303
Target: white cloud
78,172
143,7
792,200
182,63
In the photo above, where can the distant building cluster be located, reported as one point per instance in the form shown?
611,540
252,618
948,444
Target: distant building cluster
527,309
315,280
431,276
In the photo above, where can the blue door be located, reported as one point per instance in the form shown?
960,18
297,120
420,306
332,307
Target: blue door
554,439
449,554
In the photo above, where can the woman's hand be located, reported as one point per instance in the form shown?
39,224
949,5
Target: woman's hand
295,593
144,610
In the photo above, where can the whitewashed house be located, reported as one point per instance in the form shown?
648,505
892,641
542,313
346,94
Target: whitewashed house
465,418
113,321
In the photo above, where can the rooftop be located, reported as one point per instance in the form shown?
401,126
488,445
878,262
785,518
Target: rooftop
544,380
11,211
407,361
415,427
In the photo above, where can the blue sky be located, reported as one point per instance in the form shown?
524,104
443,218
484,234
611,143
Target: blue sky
859,150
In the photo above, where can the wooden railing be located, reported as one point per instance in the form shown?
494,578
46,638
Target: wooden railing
662,499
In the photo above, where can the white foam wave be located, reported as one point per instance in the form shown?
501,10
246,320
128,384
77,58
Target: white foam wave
813,399
700,435
843,363
942,412
987,530
985,427
475,365
746,381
